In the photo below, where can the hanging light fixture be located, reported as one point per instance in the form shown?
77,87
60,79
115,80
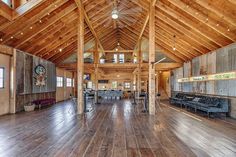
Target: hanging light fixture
174,47
114,14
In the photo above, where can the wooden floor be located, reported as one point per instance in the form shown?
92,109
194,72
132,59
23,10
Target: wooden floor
114,130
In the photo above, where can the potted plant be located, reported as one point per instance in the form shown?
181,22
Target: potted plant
29,107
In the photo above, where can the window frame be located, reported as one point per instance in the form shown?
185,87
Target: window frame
60,83
126,86
3,77
114,83
121,58
68,84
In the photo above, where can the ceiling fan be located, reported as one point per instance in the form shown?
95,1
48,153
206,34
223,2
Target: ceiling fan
122,13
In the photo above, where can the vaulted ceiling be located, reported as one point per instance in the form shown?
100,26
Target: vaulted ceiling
48,28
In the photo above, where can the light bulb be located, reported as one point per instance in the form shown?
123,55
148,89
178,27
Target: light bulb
114,14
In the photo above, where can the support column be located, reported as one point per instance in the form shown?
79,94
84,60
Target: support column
96,61
74,83
139,68
80,62
151,77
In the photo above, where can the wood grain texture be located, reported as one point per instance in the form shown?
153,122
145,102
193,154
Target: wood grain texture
114,129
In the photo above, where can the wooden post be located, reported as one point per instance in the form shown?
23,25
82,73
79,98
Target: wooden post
75,83
80,62
151,77
139,67
96,61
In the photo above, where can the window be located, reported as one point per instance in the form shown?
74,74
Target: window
1,77
90,85
122,58
59,81
68,82
8,2
115,58
127,85
114,85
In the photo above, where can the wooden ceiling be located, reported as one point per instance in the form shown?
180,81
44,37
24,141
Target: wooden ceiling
48,28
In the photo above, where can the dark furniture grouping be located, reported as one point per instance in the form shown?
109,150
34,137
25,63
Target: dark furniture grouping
207,104
44,102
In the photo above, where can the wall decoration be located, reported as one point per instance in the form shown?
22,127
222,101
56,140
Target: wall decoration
40,78
34,74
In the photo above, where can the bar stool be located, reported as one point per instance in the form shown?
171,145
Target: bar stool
91,99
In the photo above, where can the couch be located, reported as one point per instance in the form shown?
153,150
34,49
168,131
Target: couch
207,104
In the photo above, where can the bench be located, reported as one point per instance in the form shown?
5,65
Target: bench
206,104
44,102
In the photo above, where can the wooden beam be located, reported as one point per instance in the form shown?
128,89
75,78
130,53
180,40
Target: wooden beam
152,45
80,6
6,50
5,11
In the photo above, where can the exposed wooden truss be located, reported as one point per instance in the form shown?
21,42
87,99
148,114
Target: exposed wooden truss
47,28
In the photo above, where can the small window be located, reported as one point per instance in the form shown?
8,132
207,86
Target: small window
115,58
8,2
127,85
90,85
1,77
122,58
59,81
68,82
114,85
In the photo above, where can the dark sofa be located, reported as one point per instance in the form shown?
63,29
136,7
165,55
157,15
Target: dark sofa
207,104
180,98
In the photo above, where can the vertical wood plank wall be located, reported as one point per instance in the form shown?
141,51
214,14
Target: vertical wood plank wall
221,60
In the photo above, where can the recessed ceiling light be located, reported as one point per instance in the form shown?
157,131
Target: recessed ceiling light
31,27
11,37
228,30
1,39
21,33
174,48
60,50
48,13
196,13
118,44
217,24
116,49
40,21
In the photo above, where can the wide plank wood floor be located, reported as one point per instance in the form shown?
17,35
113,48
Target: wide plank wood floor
115,129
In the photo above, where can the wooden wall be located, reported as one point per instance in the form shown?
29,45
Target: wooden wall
221,60
5,92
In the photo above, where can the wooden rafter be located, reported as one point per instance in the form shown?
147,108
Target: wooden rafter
80,6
